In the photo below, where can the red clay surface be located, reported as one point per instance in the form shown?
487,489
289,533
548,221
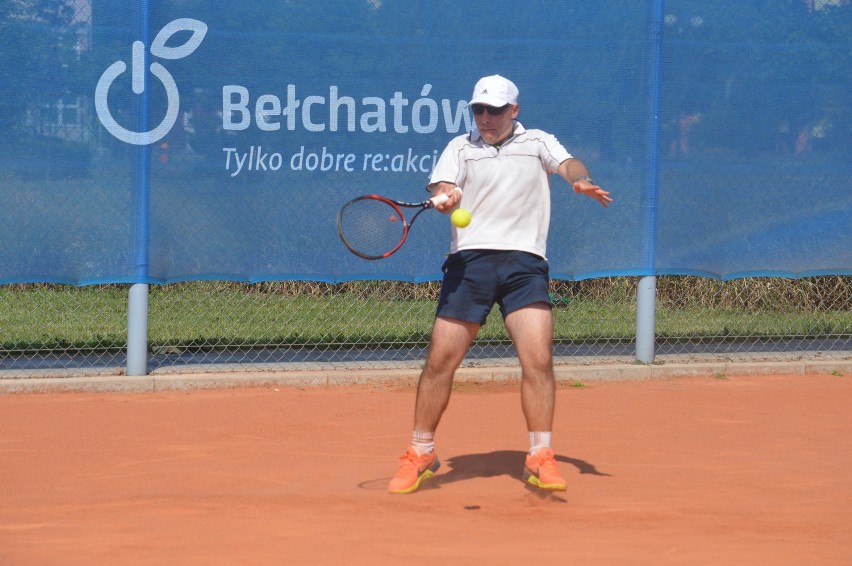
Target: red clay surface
741,470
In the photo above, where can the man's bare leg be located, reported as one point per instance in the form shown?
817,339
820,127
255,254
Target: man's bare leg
450,340
448,346
531,330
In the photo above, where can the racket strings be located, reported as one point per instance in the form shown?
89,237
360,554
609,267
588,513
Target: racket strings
371,227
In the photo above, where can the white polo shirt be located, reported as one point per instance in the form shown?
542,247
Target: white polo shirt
506,190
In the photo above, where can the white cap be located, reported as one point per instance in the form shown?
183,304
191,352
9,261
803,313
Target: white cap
494,91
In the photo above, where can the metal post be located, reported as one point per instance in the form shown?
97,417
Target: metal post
647,288
646,299
137,330
137,311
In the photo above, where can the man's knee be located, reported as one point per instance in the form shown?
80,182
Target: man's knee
538,373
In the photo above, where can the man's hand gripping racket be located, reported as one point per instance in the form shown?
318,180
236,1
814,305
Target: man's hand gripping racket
375,227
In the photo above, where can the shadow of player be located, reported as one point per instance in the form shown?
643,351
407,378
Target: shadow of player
487,465
498,463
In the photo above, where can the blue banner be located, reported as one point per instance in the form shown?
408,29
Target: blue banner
186,140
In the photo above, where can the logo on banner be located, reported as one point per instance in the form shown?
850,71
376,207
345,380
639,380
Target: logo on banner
137,73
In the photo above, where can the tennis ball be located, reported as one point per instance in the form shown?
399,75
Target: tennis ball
460,217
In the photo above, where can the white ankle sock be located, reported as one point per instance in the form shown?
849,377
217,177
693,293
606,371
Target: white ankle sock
423,442
539,440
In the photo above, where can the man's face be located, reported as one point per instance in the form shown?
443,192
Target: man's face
495,125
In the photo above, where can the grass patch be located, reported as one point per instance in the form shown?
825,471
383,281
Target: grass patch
223,315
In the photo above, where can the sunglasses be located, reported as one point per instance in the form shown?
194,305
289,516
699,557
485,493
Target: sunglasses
478,109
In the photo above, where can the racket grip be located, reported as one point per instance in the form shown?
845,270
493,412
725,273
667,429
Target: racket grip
438,200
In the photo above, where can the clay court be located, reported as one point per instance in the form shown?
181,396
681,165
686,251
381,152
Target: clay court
701,470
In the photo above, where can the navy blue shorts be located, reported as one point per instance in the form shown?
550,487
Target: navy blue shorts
476,279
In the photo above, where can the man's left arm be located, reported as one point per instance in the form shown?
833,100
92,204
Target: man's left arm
577,175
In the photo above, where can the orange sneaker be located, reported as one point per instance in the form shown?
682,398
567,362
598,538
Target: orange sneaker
413,469
541,471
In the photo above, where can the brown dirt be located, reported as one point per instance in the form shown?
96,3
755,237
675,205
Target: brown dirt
737,470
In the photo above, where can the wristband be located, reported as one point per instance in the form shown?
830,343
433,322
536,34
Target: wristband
583,178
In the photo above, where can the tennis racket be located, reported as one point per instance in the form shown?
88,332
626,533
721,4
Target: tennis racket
375,227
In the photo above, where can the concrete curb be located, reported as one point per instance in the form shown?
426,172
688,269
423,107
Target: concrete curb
327,378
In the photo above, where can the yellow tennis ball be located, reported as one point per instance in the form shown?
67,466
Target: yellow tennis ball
460,217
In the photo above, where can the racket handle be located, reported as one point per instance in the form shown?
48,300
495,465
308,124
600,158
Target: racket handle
438,200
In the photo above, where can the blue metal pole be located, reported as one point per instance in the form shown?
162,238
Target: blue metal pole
137,312
647,289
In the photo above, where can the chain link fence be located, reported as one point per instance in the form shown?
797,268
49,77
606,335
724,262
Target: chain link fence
217,326
47,107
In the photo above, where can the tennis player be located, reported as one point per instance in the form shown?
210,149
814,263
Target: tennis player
503,171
